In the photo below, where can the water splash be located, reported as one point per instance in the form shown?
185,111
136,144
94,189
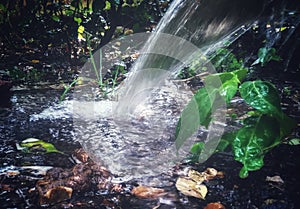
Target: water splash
135,137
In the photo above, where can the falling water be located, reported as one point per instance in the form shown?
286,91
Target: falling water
133,134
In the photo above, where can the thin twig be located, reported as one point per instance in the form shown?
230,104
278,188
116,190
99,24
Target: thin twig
191,78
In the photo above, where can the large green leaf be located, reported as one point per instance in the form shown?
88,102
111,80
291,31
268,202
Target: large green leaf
261,95
229,80
219,88
251,142
264,97
197,112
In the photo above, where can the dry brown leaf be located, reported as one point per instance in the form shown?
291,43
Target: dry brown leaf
196,176
208,174
214,205
57,194
275,179
190,187
148,192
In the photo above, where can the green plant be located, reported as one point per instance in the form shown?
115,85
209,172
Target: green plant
260,131
225,61
265,55
106,85
25,75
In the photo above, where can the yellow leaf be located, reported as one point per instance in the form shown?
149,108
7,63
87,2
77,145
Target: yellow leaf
283,28
80,37
80,81
80,29
35,61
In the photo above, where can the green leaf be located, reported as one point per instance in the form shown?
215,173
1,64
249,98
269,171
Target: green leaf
195,151
55,18
218,87
264,97
295,141
252,141
261,95
36,145
2,8
197,147
78,20
225,141
107,5
197,112
265,55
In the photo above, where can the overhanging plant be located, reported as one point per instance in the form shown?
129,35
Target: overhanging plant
259,133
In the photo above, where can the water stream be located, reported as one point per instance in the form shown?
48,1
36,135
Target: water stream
133,133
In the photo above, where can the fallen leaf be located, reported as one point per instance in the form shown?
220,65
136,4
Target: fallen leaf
36,145
56,194
208,174
148,192
214,205
189,187
276,179
80,156
196,176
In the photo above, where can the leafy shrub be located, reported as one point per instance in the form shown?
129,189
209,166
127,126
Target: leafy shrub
260,132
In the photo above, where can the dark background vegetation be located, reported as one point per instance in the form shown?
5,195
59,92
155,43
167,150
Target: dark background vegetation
39,38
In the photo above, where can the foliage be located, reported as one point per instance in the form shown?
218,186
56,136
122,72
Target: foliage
225,61
106,83
204,100
36,145
30,75
58,21
265,55
260,132
294,141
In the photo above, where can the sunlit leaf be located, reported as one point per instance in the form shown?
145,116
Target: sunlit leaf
218,87
78,20
283,28
295,141
253,140
80,29
107,5
80,37
36,145
263,96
